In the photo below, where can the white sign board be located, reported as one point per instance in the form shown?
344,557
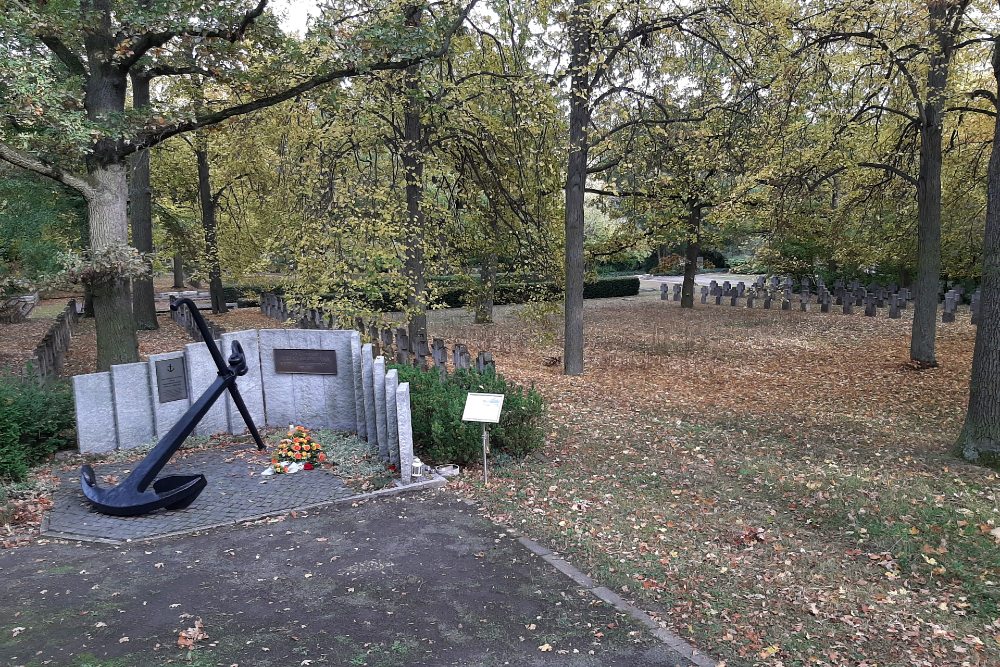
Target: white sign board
482,408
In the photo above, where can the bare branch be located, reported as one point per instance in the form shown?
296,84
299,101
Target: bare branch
891,169
65,55
38,166
154,40
153,137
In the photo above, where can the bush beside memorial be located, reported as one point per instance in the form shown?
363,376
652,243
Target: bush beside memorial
440,435
36,420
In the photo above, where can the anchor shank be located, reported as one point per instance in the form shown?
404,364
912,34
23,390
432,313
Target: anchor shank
151,466
206,335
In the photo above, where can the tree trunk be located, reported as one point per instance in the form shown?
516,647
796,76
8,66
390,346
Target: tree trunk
413,167
178,271
108,220
928,280
981,433
209,205
576,184
691,252
488,281
141,218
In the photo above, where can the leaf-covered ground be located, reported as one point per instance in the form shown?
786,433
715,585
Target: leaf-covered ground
776,486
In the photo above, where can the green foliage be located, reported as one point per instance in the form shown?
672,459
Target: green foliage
38,220
35,421
440,435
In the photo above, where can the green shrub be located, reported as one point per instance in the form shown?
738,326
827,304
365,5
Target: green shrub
35,421
440,435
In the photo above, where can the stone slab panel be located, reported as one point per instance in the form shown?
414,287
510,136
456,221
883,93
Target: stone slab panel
405,429
359,389
391,419
133,399
378,374
250,385
165,415
307,399
368,382
95,413
202,372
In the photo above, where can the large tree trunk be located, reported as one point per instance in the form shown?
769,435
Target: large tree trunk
108,218
576,184
178,271
209,205
141,218
413,166
487,294
981,433
691,252
928,280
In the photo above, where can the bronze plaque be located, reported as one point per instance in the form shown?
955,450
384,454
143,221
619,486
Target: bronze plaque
314,362
171,381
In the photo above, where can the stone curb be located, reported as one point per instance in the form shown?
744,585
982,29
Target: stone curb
673,641
434,482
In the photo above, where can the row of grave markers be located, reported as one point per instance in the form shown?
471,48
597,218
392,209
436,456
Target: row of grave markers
870,298
393,342
136,404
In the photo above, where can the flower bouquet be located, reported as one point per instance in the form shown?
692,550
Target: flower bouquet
297,452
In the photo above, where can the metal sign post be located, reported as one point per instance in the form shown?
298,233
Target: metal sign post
483,408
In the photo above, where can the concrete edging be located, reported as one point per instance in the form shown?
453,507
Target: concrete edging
673,641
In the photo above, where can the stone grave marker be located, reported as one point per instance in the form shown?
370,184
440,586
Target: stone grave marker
894,307
948,312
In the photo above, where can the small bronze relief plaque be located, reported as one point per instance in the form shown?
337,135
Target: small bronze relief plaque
315,362
171,380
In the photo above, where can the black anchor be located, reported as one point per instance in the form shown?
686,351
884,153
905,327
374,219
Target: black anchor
134,496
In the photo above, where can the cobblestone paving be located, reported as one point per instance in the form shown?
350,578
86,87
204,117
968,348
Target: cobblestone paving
235,492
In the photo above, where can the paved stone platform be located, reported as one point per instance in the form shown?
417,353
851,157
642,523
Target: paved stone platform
236,492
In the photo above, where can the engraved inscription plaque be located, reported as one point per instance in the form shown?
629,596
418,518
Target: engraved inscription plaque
171,381
315,362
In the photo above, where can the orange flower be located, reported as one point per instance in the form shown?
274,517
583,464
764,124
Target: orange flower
305,447
298,455
322,457
296,447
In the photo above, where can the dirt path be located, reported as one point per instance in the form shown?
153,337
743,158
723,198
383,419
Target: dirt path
419,580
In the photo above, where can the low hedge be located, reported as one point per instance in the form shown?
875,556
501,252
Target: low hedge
35,421
512,292
452,292
440,435
609,287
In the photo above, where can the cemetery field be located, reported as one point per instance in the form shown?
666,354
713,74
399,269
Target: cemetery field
776,486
